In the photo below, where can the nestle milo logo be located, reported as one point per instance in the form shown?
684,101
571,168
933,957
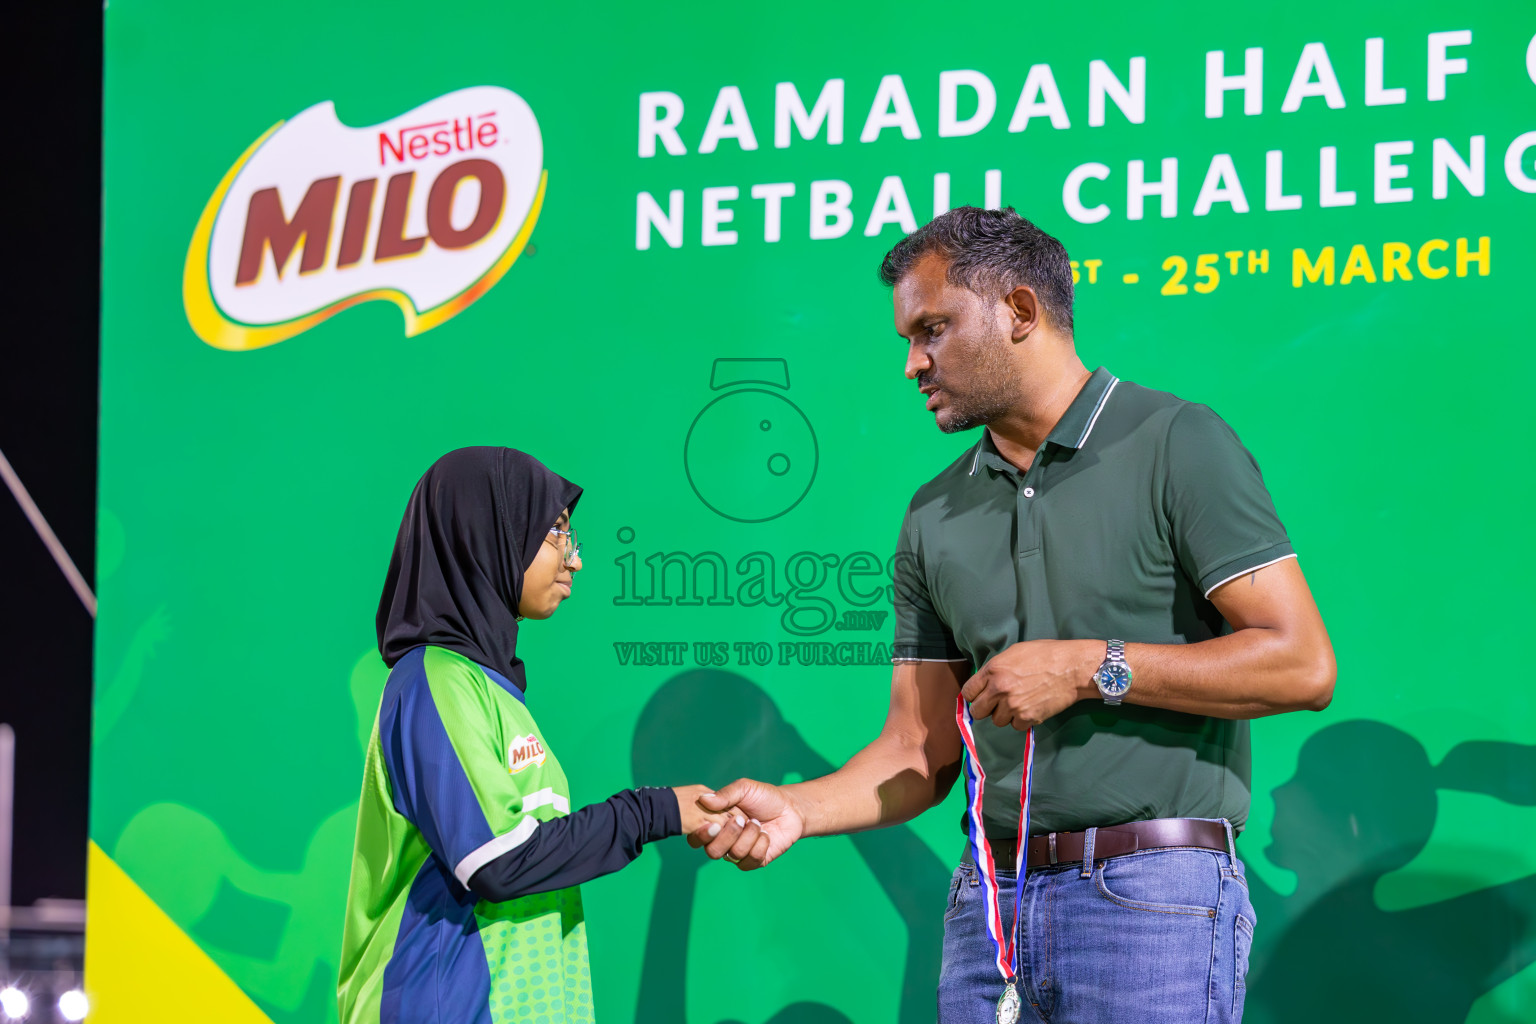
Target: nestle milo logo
525,752
427,210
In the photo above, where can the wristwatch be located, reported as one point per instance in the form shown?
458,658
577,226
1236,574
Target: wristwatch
1114,676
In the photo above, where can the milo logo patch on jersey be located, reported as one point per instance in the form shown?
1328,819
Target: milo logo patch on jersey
525,752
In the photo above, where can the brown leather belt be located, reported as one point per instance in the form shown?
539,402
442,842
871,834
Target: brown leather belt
1114,841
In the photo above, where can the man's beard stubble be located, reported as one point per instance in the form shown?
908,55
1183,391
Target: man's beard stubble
985,394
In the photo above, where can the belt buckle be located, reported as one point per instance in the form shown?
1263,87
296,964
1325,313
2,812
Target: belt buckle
1051,842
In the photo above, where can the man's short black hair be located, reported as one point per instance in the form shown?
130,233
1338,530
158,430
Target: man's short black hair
991,252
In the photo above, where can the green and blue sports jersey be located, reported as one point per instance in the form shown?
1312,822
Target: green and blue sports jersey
457,774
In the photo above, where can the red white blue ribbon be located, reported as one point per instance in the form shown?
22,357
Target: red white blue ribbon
1003,939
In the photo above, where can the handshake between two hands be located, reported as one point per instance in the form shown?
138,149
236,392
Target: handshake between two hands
748,823
751,823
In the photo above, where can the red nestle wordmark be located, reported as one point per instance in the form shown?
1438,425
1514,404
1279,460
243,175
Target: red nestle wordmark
438,138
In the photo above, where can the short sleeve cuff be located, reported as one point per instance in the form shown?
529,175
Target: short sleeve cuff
1252,562
930,651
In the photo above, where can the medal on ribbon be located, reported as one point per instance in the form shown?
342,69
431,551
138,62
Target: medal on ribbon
1008,1006
1004,941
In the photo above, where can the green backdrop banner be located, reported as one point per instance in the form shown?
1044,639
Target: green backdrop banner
640,242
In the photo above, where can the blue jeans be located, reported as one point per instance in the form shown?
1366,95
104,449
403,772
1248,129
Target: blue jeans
1154,937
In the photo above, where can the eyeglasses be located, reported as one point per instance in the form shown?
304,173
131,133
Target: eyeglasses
572,545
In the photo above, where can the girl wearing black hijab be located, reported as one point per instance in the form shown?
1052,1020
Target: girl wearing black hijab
463,906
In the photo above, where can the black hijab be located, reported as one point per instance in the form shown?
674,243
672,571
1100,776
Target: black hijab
474,523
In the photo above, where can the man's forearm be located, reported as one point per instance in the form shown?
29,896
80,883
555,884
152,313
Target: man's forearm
1247,674
1277,659
886,783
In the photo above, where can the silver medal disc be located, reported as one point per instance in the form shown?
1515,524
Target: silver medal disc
1008,1006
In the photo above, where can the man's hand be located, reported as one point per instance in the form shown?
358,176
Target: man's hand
762,822
1033,681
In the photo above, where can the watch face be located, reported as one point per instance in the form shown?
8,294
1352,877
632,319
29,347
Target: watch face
1114,680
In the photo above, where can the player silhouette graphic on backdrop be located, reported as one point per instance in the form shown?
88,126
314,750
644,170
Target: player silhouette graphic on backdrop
1361,804
734,730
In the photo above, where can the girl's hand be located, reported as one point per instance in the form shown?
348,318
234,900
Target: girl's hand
695,817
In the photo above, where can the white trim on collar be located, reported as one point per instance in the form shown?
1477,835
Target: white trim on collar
1104,398
1097,409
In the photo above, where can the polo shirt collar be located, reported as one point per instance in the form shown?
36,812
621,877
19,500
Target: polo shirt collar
1071,431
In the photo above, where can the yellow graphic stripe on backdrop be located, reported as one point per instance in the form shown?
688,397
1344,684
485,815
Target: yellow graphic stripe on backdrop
140,967
219,331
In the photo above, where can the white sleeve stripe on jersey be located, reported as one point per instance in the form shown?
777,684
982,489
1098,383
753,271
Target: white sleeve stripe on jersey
547,797
493,849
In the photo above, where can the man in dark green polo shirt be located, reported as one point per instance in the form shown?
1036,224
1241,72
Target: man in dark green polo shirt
1102,576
